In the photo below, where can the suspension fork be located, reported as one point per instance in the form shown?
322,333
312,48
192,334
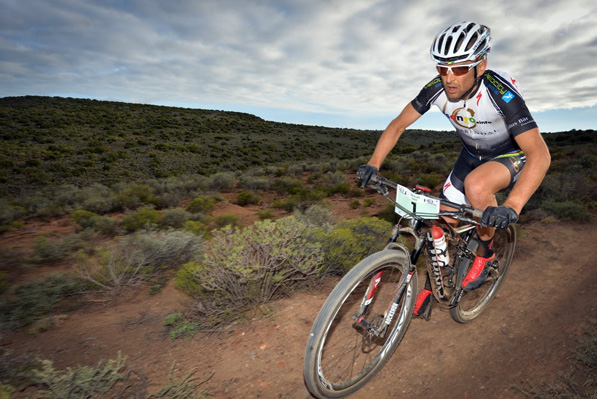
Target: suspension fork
376,279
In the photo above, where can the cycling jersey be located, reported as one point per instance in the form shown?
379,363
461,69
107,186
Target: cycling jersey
489,120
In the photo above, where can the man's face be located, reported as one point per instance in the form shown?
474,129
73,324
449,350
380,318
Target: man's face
457,85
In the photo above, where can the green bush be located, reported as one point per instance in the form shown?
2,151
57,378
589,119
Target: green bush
84,218
197,228
242,269
45,250
255,183
317,215
227,220
567,210
82,381
222,181
202,205
174,218
288,185
134,259
352,240
142,219
135,196
247,198
265,214
25,303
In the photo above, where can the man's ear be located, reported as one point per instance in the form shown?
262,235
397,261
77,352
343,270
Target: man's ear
482,67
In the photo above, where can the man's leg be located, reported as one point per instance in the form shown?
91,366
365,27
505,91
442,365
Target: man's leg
480,186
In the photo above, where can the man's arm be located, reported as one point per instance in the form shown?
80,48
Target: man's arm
537,163
390,136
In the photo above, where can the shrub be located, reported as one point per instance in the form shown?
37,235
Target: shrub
255,183
174,218
45,250
82,381
287,185
221,181
134,259
242,269
197,228
201,205
567,210
352,240
227,220
247,198
286,204
141,219
265,214
135,196
84,218
10,213
316,215
25,303
429,180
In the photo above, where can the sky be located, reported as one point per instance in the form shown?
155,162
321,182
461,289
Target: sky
337,63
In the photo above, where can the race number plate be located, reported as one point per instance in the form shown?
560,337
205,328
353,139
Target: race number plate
409,203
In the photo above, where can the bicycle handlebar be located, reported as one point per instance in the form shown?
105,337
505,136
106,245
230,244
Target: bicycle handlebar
379,184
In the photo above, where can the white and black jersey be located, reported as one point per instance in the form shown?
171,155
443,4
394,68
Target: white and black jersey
488,121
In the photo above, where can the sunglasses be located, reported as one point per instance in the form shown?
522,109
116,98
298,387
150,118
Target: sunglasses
457,70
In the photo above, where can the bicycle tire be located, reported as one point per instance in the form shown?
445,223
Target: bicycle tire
339,357
473,303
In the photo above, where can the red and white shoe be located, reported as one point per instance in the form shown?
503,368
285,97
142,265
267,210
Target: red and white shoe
478,273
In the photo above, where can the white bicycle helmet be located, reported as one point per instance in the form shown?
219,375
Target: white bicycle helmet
466,41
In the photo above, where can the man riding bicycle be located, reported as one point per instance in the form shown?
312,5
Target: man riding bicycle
502,146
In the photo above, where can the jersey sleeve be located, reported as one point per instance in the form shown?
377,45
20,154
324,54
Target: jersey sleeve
508,101
427,95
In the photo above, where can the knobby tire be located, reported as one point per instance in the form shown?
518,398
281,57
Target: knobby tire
473,303
341,356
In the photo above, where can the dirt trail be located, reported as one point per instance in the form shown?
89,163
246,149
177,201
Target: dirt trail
524,336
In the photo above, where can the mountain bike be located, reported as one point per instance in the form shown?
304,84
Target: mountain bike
366,315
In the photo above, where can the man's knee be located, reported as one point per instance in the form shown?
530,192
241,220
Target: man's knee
478,192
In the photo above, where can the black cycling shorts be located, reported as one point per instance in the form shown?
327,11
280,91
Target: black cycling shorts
454,186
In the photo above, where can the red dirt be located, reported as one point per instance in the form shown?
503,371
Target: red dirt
523,337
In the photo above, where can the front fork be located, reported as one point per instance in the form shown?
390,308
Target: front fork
378,329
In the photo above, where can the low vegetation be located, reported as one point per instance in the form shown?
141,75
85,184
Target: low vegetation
141,183
111,378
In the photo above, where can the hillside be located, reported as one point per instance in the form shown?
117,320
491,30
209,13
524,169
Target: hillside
136,190
52,140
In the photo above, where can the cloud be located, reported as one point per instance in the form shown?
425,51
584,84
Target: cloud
342,57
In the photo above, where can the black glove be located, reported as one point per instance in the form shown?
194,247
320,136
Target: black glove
500,216
364,172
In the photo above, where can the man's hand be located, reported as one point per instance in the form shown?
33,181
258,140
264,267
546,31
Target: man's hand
364,172
500,216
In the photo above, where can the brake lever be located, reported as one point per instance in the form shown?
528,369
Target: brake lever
382,189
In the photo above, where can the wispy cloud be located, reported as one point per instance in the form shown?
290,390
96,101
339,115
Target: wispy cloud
342,57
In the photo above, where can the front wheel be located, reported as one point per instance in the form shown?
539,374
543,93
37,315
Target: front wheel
473,303
360,325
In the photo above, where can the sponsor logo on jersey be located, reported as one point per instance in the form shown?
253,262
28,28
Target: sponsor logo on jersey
508,96
498,88
434,82
465,118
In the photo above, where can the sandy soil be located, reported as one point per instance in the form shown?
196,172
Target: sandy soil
524,337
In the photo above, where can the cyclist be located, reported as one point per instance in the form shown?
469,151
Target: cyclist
502,146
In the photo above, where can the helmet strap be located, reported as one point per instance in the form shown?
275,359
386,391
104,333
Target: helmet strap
473,87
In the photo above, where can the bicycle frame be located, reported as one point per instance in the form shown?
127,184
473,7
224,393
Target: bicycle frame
461,235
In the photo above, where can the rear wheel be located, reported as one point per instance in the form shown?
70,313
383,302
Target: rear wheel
350,342
473,303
